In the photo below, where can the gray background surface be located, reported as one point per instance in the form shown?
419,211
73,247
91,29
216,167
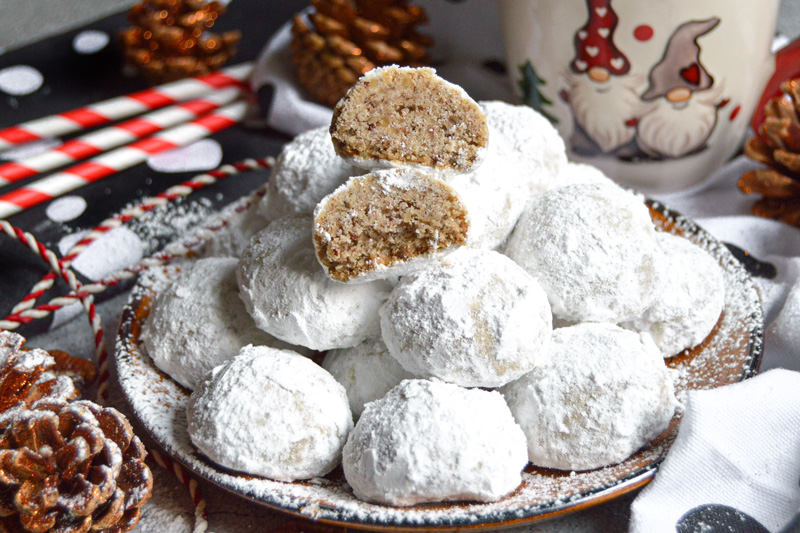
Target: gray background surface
25,21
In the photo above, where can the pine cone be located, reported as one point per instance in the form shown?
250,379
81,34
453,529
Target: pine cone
778,146
28,377
343,39
71,468
170,39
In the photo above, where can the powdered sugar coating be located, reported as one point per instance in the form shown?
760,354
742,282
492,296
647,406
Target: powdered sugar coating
366,371
474,318
232,238
428,441
603,393
578,173
495,193
594,250
307,170
199,321
689,299
271,413
532,140
731,354
289,296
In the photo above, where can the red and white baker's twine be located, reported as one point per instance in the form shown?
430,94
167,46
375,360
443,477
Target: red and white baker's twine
58,268
97,142
123,106
135,211
114,161
85,293
200,511
199,503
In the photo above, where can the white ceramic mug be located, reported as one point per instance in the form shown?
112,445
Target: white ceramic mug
656,93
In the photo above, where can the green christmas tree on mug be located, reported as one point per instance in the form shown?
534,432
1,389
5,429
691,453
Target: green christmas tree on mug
531,96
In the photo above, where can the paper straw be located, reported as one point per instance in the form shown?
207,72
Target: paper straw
96,143
117,160
123,106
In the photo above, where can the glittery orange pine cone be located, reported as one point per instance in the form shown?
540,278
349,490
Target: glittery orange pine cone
71,467
170,39
777,146
28,377
340,40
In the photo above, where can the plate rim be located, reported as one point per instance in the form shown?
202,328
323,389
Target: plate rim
504,518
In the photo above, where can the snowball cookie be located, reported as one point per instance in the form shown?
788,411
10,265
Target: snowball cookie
231,239
578,173
689,300
474,319
198,321
594,250
289,296
601,394
306,171
409,116
495,194
387,223
428,441
532,139
271,413
366,371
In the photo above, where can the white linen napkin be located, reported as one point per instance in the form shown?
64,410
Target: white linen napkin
735,465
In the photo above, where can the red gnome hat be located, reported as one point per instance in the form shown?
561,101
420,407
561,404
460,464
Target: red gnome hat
594,45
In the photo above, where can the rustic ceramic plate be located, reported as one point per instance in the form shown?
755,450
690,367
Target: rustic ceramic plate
732,352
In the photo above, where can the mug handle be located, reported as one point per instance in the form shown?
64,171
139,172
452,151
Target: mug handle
787,66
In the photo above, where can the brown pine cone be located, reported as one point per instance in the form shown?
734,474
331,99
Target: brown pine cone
71,468
778,146
340,40
28,377
170,39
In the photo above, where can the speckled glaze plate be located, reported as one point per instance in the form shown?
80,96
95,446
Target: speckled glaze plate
731,353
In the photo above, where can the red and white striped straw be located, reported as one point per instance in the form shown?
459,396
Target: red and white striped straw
100,141
123,106
117,160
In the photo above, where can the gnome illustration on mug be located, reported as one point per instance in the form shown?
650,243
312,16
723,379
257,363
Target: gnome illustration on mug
683,97
602,91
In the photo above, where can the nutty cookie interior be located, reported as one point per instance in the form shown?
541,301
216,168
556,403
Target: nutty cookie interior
409,116
385,218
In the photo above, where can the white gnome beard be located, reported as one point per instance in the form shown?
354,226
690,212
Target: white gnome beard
601,109
671,130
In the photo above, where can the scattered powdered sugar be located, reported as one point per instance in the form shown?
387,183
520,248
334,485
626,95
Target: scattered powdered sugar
167,223
429,441
475,303
732,352
601,393
271,413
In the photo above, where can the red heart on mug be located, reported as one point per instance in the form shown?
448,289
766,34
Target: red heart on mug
691,74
